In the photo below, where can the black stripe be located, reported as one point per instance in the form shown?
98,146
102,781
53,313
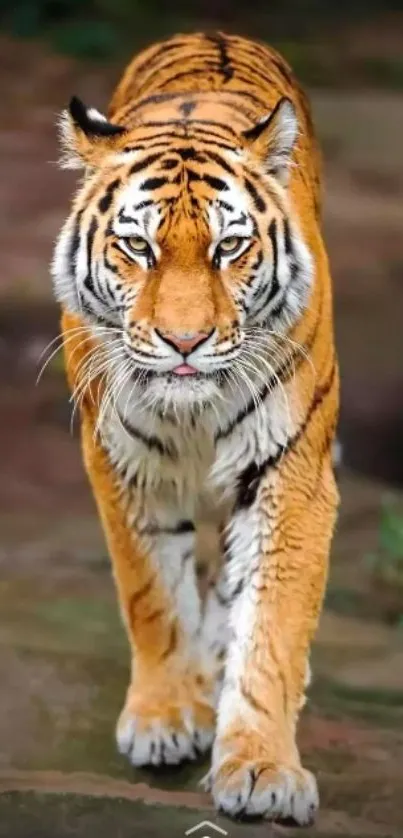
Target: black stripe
164,124
197,131
74,244
273,380
143,204
142,592
89,279
215,182
113,268
216,143
265,292
221,162
240,221
251,49
125,219
89,285
227,598
85,307
255,73
187,107
252,72
151,141
191,176
256,198
155,99
192,72
250,478
275,285
171,66
225,67
160,50
260,708
172,642
179,529
247,81
106,200
284,71
246,94
250,407
142,353
287,238
170,163
257,263
179,177
217,124
244,253
267,295
189,154
152,442
294,271
240,107
153,183
222,354
101,319
142,164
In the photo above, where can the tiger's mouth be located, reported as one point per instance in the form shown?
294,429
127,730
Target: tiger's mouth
184,369
172,377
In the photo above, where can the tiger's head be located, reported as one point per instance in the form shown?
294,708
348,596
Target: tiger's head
180,250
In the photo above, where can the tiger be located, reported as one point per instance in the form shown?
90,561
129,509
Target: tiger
197,326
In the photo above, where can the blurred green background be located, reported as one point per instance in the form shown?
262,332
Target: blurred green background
312,33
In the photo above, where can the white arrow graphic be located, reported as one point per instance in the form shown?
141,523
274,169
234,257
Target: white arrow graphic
204,824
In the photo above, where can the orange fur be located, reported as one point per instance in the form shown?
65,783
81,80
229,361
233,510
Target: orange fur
297,502
153,631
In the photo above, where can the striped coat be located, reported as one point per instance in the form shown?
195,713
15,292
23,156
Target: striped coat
197,321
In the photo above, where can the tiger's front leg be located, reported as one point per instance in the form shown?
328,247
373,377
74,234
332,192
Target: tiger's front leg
169,712
278,545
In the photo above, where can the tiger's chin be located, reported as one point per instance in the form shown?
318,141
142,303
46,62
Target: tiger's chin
190,392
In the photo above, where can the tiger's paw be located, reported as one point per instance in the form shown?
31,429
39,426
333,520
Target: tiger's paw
262,789
168,722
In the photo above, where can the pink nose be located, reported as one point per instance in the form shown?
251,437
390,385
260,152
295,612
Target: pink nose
184,343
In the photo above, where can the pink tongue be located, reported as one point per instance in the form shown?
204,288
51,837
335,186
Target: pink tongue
184,369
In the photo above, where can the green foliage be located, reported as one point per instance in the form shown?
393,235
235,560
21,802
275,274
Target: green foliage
389,557
94,29
95,40
386,564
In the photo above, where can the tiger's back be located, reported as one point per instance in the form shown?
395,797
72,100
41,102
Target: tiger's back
250,77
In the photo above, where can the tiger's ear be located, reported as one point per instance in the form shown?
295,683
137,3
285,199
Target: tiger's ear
85,136
273,139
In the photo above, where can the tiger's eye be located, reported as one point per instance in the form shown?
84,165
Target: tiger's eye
138,245
230,244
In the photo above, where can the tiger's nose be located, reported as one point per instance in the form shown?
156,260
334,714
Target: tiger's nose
186,342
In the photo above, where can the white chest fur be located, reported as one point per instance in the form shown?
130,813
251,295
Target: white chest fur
175,460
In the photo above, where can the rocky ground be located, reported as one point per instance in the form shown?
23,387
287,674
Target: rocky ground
63,660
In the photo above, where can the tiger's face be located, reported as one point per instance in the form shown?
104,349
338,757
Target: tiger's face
181,254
